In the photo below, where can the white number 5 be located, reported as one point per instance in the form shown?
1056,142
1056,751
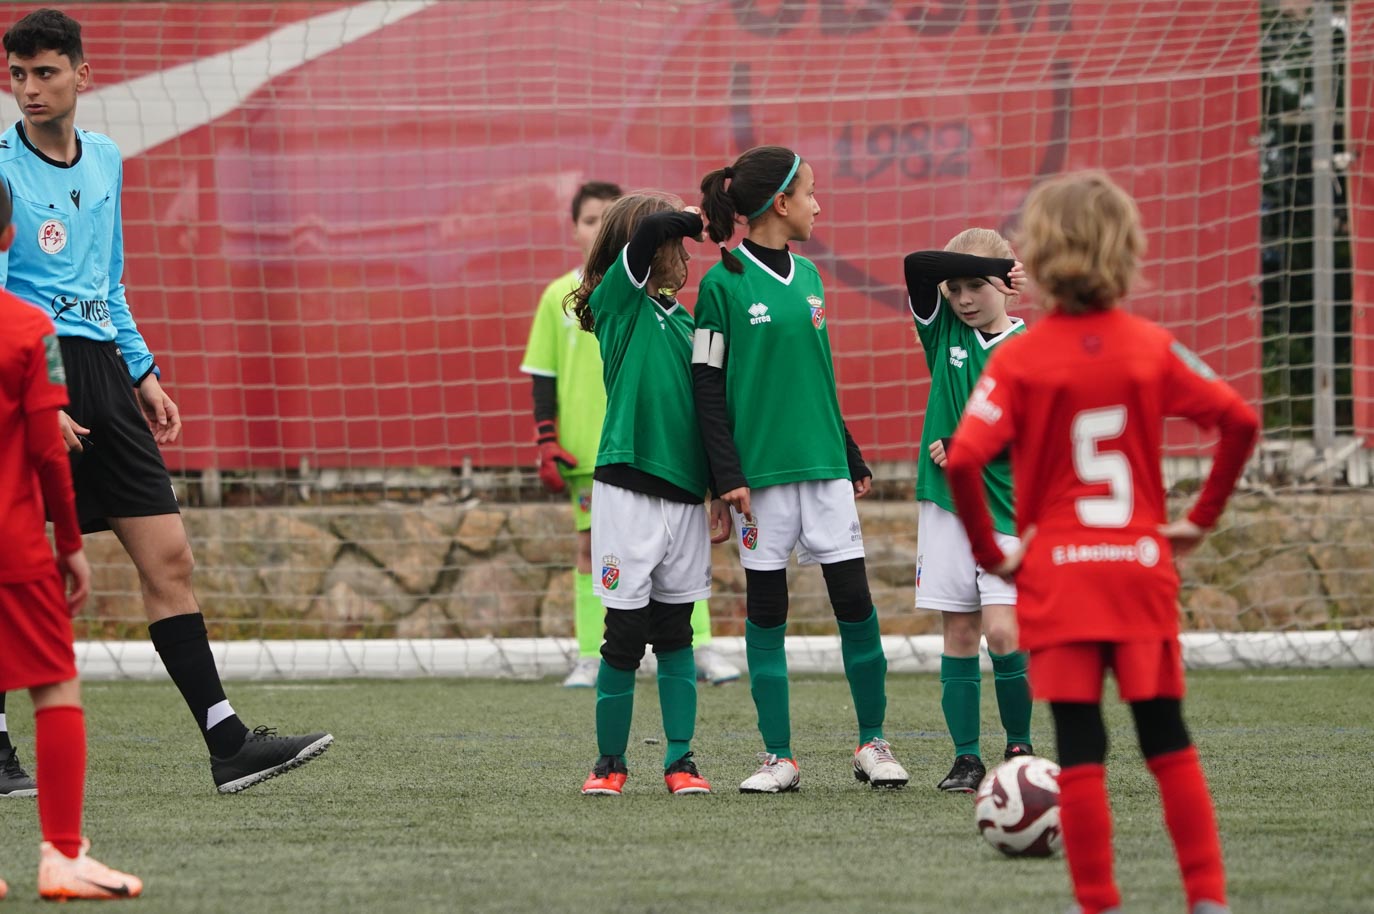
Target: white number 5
1090,427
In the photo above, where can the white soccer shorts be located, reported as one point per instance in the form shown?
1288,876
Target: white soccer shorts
947,577
645,548
817,517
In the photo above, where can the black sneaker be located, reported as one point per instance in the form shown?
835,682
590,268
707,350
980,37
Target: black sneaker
265,755
14,780
965,776
1015,750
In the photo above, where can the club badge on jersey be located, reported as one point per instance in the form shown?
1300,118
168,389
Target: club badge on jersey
584,502
749,535
817,311
610,572
52,236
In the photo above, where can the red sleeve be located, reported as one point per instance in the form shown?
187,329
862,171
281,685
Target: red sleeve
984,432
45,381
44,392
1194,392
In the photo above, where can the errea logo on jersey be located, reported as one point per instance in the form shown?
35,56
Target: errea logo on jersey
758,313
957,355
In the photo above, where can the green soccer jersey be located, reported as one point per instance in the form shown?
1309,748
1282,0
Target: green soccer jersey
559,349
956,355
779,376
651,414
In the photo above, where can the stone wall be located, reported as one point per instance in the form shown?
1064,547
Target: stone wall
473,570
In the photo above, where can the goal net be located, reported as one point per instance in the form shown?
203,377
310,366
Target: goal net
339,218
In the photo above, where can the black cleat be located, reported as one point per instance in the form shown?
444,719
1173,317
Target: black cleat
1015,750
14,780
965,776
265,755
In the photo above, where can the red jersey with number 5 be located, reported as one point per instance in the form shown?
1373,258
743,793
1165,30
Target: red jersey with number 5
1081,400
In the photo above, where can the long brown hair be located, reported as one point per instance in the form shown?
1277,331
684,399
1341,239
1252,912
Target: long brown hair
618,224
1082,241
754,179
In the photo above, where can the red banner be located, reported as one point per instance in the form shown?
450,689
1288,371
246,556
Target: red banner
342,268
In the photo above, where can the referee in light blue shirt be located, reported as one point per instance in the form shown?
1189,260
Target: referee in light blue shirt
68,260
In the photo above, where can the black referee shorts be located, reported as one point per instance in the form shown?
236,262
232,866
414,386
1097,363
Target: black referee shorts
120,473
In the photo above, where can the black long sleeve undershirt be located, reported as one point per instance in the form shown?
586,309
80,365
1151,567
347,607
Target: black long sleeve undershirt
925,270
713,418
545,398
855,458
651,234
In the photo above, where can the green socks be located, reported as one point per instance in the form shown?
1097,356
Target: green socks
589,618
677,699
1013,694
961,690
865,666
701,624
615,707
763,647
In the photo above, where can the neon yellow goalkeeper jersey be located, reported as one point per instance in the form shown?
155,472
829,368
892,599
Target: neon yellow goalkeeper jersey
779,375
558,348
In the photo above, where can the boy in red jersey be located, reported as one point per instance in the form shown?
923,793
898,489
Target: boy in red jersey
1081,399
35,615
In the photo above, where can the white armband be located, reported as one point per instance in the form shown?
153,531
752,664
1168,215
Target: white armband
708,348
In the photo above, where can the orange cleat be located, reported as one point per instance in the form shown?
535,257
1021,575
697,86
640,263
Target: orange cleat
4,889
61,878
607,778
682,777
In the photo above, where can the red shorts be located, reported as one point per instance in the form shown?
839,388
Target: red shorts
1074,672
35,634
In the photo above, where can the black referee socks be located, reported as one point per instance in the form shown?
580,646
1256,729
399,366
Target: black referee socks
184,646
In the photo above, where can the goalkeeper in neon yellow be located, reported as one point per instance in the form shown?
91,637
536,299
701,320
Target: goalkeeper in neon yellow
569,406
781,456
959,299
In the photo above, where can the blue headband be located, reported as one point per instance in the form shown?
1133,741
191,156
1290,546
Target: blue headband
796,163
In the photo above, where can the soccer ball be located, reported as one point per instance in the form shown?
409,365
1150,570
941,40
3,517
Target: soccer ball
1018,807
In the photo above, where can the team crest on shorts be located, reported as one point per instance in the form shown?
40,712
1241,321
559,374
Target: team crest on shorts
920,562
817,311
610,572
749,535
584,502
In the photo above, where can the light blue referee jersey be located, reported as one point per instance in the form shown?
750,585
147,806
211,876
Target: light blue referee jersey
68,251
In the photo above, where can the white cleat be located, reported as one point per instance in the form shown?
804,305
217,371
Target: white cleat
874,765
714,668
775,775
1210,907
583,675
62,878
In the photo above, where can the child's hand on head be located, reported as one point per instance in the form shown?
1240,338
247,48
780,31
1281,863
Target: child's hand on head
1019,281
701,216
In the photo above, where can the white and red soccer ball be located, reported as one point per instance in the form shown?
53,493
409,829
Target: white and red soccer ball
1018,807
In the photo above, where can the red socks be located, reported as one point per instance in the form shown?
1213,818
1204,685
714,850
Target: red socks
1086,823
60,750
1191,822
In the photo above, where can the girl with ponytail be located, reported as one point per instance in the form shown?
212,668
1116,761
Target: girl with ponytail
778,448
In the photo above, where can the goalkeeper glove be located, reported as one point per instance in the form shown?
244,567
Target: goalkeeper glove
551,455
